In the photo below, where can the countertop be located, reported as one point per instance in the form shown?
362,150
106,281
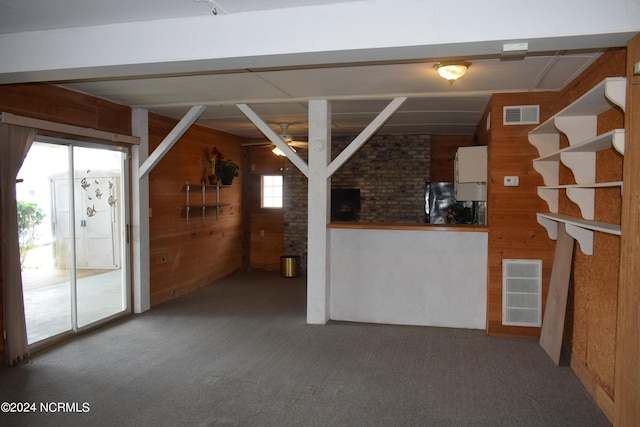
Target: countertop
409,226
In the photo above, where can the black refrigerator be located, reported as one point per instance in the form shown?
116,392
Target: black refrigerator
441,206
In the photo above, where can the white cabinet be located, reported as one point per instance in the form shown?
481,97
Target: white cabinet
471,173
471,164
579,123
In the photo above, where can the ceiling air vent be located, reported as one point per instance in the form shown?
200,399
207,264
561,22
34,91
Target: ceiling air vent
521,115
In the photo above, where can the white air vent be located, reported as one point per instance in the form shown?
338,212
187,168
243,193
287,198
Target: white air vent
522,292
521,115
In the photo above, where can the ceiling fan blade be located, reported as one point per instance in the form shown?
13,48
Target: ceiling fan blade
299,144
256,144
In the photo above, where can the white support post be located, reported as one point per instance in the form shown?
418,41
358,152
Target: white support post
275,139
319,207
364,136
140,213
173,137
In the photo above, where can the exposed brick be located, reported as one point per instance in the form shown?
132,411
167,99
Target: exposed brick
390,171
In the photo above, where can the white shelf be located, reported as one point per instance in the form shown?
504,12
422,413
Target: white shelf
580,158
580,119
580,229
582,195
579,123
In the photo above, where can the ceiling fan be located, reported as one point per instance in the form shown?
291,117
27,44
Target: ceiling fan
286,138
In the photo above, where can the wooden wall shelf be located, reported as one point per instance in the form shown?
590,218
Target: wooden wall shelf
578,122
578,228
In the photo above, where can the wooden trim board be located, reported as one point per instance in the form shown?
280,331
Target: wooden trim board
553,322
46,125
602,399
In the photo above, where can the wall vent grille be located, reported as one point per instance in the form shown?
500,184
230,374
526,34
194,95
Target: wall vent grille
521,115
522,292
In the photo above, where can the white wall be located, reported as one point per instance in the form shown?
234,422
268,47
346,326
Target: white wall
408,277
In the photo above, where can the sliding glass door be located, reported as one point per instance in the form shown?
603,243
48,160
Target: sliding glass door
73,236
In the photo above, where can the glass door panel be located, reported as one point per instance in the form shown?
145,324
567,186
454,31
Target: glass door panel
72,214
44,241
99,232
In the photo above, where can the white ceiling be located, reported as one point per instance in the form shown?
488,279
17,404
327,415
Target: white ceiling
359,91
30,15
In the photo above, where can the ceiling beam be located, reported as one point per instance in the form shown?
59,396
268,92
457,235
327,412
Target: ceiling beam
353,97
364,136
275,139
170,140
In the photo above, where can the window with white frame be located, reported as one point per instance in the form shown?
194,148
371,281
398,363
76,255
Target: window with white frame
271,191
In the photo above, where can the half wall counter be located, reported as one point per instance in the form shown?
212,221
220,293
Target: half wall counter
413,274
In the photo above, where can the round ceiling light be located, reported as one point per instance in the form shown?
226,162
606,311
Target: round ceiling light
452,71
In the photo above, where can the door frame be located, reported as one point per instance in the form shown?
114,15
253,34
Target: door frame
125,149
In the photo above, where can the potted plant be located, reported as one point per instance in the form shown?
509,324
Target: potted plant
226,170
459,214
221,169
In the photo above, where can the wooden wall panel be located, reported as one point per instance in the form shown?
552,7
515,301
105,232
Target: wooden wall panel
514,230
592,309
56,104
187,256
266,233
627,366
443,153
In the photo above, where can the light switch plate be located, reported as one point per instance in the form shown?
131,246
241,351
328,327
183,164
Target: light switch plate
511,181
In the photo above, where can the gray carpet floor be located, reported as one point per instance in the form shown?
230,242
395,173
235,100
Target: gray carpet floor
239,353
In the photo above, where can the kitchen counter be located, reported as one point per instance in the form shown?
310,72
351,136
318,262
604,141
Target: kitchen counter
414,274
409,226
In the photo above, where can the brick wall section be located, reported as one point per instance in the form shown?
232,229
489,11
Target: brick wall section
390,171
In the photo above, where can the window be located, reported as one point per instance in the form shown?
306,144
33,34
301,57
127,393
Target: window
271,191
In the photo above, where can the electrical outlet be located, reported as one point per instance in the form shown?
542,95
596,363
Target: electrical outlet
511,181
261,233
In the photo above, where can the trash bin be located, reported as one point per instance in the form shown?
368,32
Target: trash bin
290,266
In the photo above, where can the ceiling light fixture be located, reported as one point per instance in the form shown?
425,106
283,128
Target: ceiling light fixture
452,71
278,152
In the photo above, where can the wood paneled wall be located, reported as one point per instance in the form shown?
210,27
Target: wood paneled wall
187,256
59,105
266,226
627,366
443,154
514,230
56,104
590,327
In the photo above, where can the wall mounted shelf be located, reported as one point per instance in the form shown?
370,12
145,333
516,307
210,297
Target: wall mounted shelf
580,229
204,206
582,195
580,158
578,122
